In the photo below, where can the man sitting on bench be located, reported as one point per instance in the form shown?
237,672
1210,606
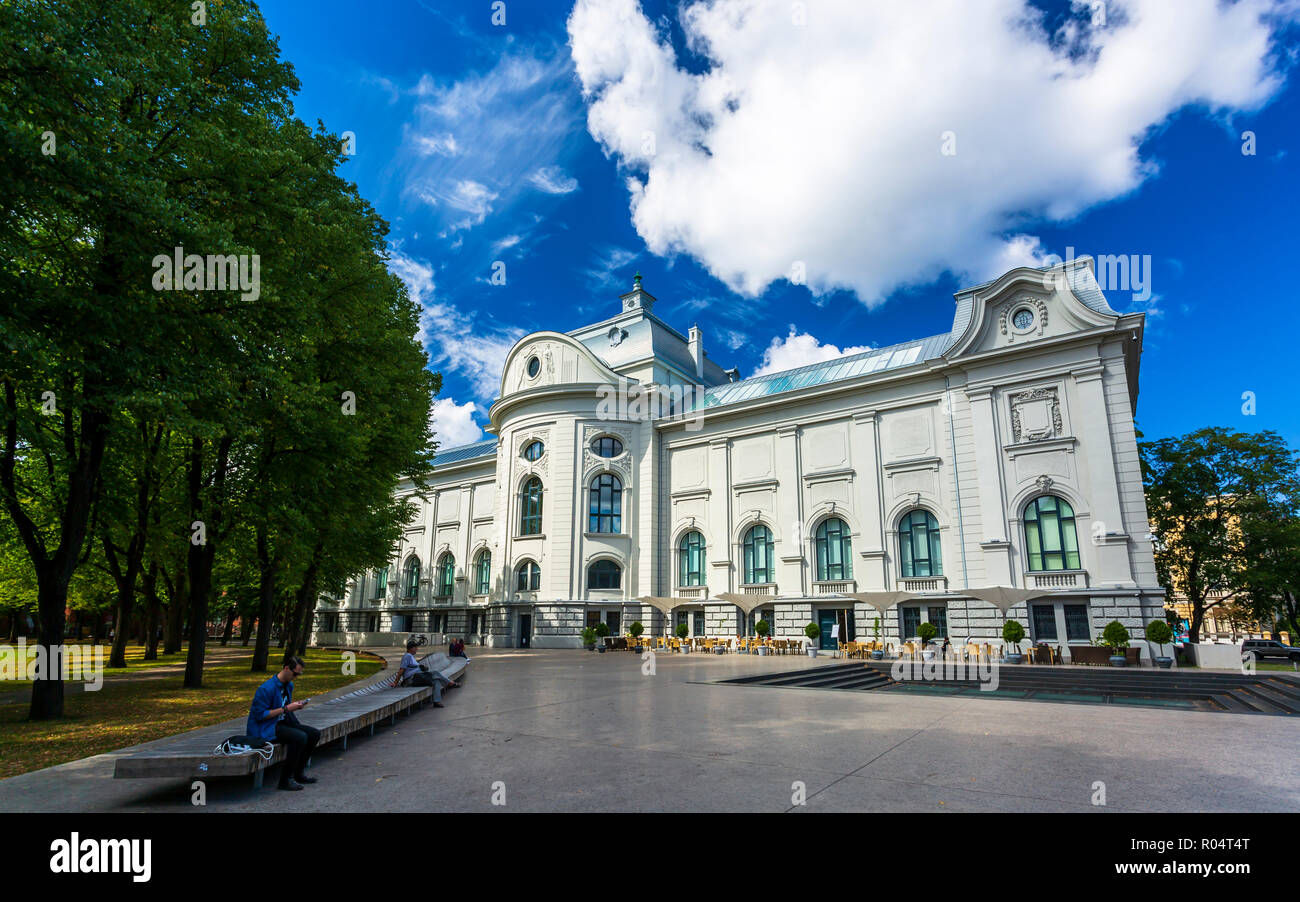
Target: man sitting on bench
272,717
412,673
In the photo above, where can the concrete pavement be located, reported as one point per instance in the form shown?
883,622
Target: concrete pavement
557,730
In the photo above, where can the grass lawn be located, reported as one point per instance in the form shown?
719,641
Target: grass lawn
128,712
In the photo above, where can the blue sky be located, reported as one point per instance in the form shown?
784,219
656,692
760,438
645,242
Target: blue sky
889,152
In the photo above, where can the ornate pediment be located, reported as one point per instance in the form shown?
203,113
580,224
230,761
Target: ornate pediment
1035,415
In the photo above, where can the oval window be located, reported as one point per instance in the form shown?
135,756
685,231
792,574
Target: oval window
1023,318
534,367
534,450
607,447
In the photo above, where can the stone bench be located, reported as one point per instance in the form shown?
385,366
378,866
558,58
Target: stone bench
192,757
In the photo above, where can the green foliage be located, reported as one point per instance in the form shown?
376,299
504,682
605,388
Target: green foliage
683,631
636,629
588,636
602,629
761,628
1158,631
1114,635
812,631
875,628
1013,632
927,632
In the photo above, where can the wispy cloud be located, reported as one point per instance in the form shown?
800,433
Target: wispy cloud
552,180
603,273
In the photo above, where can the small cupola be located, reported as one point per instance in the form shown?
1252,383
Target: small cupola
638,298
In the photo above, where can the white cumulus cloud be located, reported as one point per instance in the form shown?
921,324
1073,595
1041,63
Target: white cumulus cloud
882,144
453,424
798,349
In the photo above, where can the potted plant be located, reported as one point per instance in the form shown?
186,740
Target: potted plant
635,630
927,632
761,629
589,639
1013,632
1159,632
813,632
877,654
682,630
602,630
1115,637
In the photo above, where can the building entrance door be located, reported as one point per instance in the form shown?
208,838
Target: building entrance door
827,621
525,630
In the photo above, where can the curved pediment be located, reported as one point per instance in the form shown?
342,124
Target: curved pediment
545,359
1027,305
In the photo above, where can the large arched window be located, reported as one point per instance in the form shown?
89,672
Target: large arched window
528,577
530,508
606,506
381,582
604,575
758,556
483,572
411,577
1050,540
834,550
918,544
446,575
690,560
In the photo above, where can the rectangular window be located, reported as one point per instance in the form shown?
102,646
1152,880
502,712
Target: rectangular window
593,617
1044,618
613,622
911,620
939,617
699,624
1076,623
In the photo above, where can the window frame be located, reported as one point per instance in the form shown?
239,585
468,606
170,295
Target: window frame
530,507
824,542
686,549
601,518
907,560
598,444
446,575
411,577
749,551
530,574
535,443
606,566
1036,532
483,572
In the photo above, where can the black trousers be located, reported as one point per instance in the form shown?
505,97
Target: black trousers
301,740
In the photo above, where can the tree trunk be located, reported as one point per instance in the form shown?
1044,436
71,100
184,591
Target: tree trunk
151,616
201,556
230,626
299,631
265,601
246,629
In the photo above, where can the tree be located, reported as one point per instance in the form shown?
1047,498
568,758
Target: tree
1204,492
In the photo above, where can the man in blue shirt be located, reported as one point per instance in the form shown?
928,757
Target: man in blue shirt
272,717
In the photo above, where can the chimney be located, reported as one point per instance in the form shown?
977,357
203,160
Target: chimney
696,347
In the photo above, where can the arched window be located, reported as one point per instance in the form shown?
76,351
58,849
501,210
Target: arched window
918,544
446,575
834,550
604,575
606,506
411,577
530,508
690,560
483,572
1050,540
381,582
758,555
528,577
534,450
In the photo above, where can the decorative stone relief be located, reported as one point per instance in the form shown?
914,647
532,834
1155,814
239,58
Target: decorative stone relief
590,461
1035,415
1026,300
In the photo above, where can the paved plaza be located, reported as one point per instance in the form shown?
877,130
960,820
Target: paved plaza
559,730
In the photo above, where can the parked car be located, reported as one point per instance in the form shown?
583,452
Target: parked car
1269,648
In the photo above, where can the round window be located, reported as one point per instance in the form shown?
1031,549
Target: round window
534,450
1023,318
607,447
534,367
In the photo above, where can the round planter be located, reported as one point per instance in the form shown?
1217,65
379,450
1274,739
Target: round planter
686,649
1118,661
812,652
1015,659
718,649
877,655
762,651
927,655
1164,662
590,647
600,648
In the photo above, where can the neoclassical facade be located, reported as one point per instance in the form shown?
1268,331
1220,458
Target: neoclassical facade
631,478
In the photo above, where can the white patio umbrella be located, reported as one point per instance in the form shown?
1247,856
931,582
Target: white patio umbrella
1004,598
663,605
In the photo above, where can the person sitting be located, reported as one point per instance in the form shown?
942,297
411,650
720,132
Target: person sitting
457,649
271,717
411,672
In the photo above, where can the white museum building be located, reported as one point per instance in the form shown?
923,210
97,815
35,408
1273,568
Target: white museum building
632,478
